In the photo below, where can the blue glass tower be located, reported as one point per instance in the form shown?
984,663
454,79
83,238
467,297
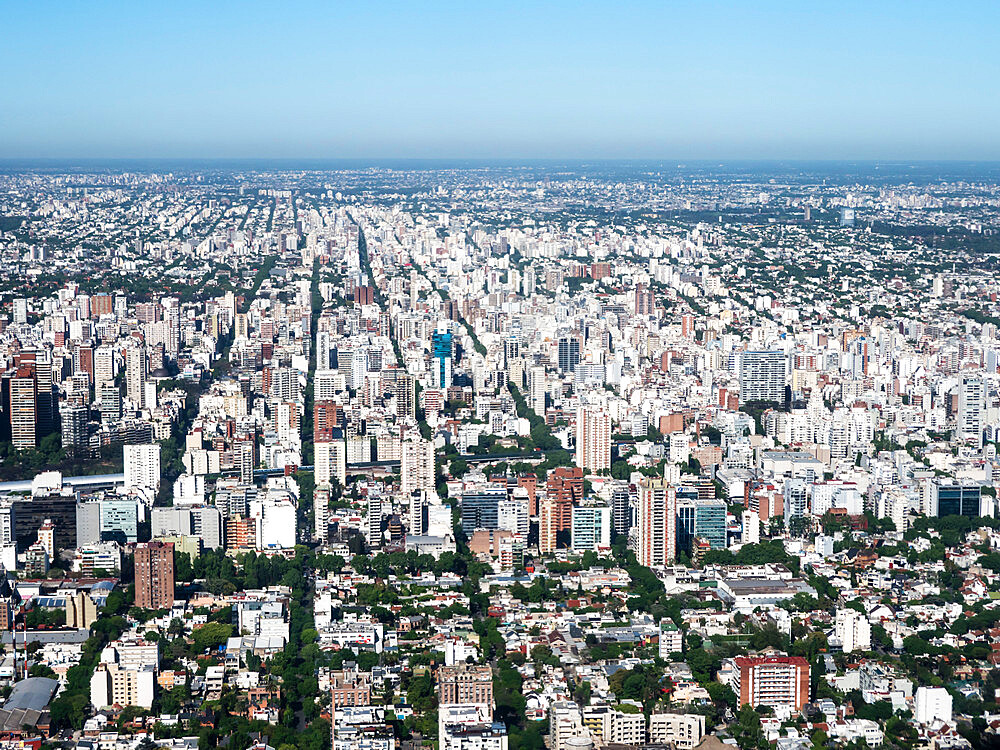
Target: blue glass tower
441,353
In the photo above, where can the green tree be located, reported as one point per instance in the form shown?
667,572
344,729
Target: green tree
211,635
748,732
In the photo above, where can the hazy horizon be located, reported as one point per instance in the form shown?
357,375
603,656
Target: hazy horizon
581,81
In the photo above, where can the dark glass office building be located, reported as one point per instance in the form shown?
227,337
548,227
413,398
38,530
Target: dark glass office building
569,353
479,509
701,518
957,500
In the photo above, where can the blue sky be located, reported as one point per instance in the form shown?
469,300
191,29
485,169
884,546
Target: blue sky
673,80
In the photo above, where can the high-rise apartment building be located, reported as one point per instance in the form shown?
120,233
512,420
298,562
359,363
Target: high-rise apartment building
645,300
142,468
111,401
563,488
46,398
241,534
565,483
853,629
23,408
971,410
113,684
555,521
763,375
74,418
655,535
512,513
417,466
154,575
83,360
245,458
373,520
136,373
466,684
101,304
402,387
321,514
81,611
932,704
775,681
417,525
330,458
511,350
593,439
327,417
20,311
326,384
621,511
536,390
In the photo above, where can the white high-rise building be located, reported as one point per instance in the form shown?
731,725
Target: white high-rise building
7,521
324,351
104,366
751,527
330,459
937,286
327,384
528,282
172,317
113,684
932,703
142,468
373,520
512,513
796,495
275,517
971,406
244,459
763,375
417,466
680,447
20,311
593,439
286,422
853,630
536,390
418,513
136,371
321,514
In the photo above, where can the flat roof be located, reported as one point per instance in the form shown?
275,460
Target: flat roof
759,585
24,485
47,636
31,693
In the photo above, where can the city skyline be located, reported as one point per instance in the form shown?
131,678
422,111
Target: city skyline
555,376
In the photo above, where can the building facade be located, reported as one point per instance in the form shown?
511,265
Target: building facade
154,575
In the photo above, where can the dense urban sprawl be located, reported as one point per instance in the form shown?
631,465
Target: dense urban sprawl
500,458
